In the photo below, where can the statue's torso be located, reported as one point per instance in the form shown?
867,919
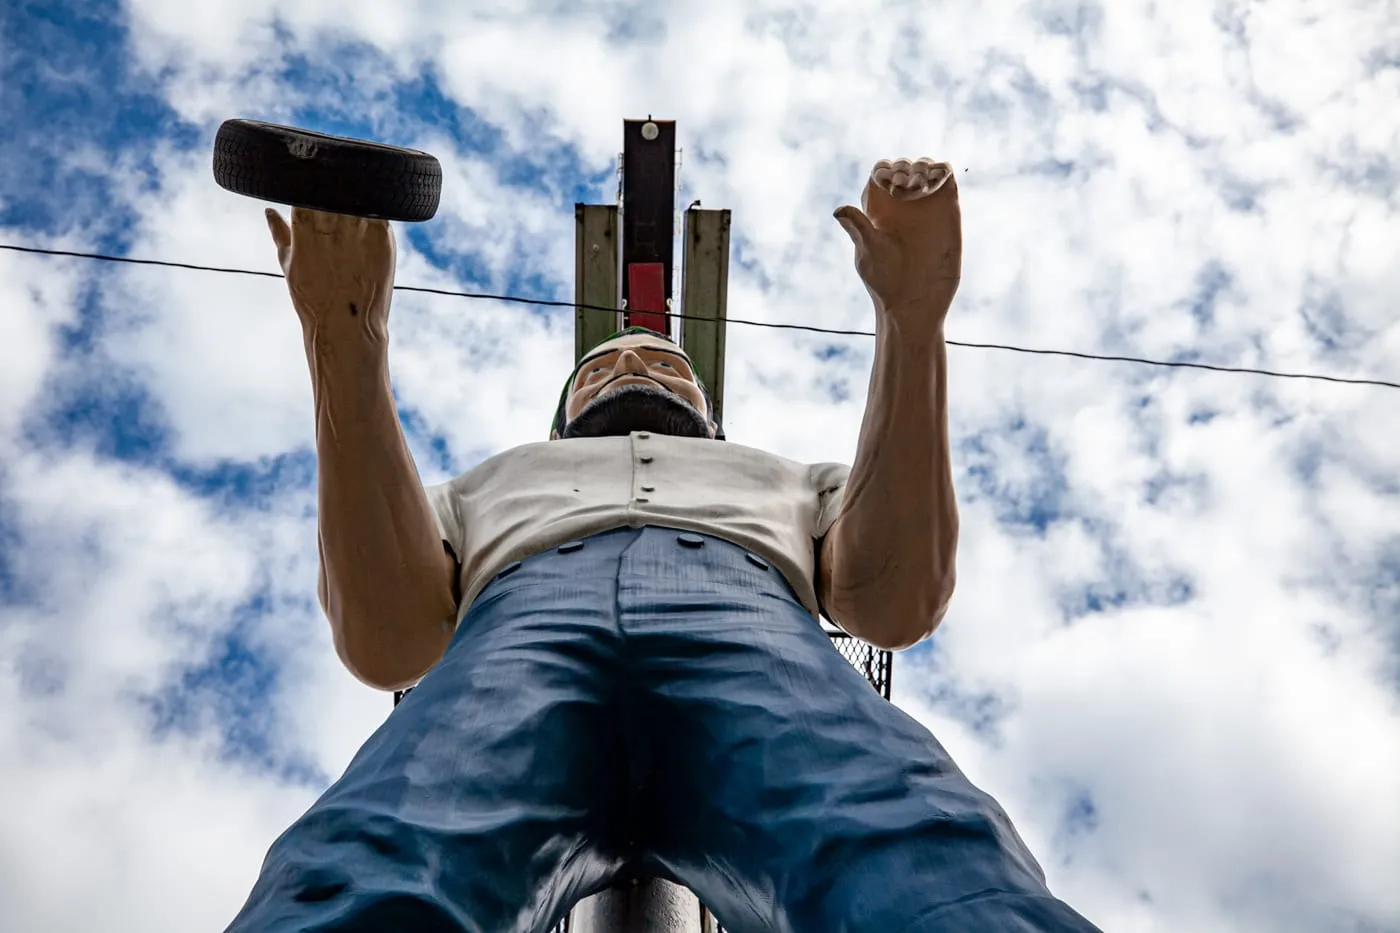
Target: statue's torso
530,498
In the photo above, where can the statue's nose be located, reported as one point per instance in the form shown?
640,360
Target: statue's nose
629,362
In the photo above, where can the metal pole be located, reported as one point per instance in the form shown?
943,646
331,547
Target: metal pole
648,221
643,906
596,242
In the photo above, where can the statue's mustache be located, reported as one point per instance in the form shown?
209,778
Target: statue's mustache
632,376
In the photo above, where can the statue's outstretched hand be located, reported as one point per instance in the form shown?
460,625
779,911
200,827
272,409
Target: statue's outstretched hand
340,272
908,239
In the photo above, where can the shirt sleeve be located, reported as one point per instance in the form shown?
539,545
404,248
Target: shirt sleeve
829,482
444,502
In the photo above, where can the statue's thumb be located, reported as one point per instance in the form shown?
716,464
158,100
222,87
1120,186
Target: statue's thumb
857,226
281,233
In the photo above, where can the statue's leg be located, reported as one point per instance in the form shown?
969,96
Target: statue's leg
486,800
792,797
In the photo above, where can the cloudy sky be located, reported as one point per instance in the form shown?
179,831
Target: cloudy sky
1175,650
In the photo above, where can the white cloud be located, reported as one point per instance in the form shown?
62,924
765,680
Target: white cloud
37,303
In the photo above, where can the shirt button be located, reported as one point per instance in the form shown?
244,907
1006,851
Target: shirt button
757,561
691,540
643,435
648,489
508,569
646,459
641,499
570,546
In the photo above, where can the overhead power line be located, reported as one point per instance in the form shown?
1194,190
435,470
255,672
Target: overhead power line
552,303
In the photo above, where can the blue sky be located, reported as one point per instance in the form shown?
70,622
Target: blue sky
1174,654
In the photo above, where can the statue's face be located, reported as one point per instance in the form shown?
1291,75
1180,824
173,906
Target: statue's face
636,383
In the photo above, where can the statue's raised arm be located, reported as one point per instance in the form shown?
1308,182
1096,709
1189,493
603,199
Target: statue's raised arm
889,561
386,582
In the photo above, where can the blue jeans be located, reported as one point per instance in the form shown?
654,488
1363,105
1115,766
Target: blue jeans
649,702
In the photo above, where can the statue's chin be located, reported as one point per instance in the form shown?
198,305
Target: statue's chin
638,407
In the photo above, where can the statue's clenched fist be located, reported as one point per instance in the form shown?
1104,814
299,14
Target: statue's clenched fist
908,181
909,238
340,273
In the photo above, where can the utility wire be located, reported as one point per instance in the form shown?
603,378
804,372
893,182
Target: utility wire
550,303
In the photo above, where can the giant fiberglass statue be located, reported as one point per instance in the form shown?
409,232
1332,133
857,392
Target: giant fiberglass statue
616,642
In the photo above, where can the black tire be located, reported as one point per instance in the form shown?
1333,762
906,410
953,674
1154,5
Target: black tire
292,166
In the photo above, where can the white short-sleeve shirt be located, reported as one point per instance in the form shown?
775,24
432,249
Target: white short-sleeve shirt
536,496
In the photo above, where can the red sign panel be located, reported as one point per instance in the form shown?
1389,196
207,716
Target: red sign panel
646,296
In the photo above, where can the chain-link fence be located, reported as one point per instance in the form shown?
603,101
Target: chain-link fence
874,663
